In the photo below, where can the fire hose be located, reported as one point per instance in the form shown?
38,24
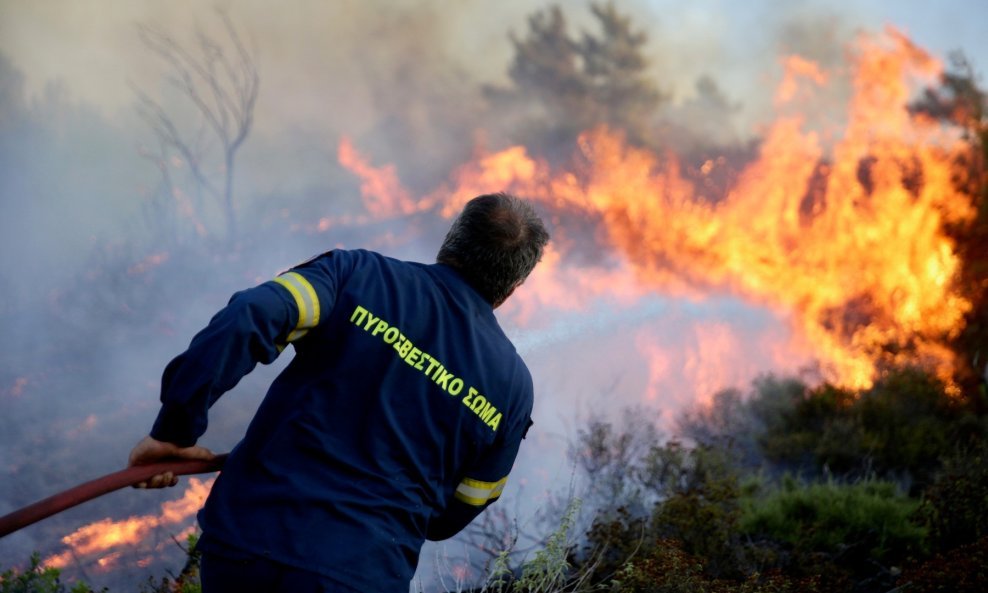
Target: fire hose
83,492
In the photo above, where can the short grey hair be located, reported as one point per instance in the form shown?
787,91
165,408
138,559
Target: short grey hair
495,243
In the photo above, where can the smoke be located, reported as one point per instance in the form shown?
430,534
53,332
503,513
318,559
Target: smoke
91,309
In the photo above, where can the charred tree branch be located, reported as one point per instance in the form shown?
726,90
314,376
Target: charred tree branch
222,90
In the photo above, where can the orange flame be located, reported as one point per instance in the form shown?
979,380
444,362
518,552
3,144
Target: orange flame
796,69
105,542
845,237
17,389
145,265
381,189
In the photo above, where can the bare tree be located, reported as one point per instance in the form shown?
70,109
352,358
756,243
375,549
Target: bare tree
220,81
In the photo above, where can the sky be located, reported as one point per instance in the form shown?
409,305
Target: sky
304,44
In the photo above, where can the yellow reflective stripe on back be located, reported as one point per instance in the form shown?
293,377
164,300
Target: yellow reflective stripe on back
477,493
306,300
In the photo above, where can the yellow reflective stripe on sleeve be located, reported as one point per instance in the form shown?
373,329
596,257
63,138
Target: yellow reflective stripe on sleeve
477,493
306,300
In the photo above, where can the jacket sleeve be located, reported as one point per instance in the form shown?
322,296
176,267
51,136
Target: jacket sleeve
255,326
480,486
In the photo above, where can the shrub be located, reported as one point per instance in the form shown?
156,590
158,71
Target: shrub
851,525
955,506
900,428
961,570
38,579
703,508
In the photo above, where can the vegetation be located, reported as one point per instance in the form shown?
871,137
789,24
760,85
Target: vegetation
762,501
36,579
564,86
187,581
714,521
786,487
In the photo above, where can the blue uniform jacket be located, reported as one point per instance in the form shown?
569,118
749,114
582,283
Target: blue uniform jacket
398,419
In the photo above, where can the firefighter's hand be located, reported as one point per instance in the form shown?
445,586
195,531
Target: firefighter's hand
151,450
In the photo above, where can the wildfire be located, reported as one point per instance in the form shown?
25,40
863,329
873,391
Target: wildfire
382,191
152,261
798,69
17,389
840,231
105,543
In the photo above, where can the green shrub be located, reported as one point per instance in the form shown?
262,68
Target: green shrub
38,579
703,510
549,570
698,510
188,579
955,506
869,517
900,428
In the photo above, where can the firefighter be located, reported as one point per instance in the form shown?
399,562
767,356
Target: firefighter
398,419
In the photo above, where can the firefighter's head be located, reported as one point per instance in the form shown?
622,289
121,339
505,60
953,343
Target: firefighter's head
495,243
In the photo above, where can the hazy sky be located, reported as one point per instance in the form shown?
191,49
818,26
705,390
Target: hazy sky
307,48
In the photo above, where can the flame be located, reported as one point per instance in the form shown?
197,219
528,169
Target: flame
503,169
658,361
152,261
798,68
17,389
707,363
865,265
186,208
87,425
106,542
381,189
841,231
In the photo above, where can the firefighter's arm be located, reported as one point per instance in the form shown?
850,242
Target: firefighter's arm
453,520
476,491
254,327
